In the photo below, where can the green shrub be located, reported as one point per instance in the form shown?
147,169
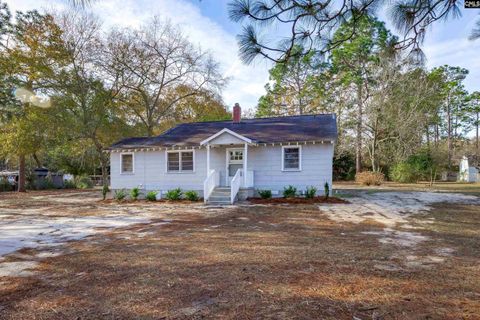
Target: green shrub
174,194
191,195
105,190
289,192
83,182
403,172
69,184
326,190
265,194
48,183
40,184
151,196
344,166
369,178
417,167
134,193
5,185
120,195
310,192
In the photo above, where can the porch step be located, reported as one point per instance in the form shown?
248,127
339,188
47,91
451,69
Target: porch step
216,197
226,189
220,196
219,203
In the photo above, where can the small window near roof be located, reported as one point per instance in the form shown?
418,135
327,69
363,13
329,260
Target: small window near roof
180,161
127,162
291,158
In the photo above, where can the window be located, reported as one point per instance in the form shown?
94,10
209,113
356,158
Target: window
186,161
126,162
236,155
180,161
291,158
173,161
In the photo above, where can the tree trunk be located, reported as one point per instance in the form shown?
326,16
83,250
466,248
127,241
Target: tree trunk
104,163
373,154
476,140
37,161
21,174
449,134
372,158
427,133
150,130
358,147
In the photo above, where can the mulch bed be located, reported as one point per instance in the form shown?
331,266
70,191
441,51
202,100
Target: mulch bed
297,200
160,201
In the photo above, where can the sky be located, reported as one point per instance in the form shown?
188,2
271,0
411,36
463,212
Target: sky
206,23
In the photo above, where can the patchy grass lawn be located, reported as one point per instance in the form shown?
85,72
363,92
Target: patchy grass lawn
257,262
462,187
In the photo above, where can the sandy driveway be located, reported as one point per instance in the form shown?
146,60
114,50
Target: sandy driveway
379,257
46,221
391,208
57,219
402,215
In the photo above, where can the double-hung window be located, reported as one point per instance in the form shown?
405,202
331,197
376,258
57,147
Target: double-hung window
126,163
291,158
180,161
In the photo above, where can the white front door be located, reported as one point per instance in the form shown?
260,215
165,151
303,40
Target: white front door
234,162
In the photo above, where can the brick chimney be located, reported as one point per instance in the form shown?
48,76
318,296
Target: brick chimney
237,113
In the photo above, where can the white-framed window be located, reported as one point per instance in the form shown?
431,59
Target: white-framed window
126,163
291,158
180,161
236,155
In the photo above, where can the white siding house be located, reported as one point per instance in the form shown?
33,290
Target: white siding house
239,157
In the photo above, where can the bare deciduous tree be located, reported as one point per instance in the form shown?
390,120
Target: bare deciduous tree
149,63
86,107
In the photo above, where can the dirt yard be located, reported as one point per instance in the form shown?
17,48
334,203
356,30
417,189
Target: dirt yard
385,255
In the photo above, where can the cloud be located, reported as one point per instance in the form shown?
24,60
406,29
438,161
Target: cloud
456,52
446,43
246,82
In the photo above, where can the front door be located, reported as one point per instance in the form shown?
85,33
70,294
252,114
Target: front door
234,162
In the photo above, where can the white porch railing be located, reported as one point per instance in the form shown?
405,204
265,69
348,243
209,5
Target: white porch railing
212,181
235,185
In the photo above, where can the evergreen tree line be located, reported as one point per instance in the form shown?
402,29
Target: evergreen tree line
394,116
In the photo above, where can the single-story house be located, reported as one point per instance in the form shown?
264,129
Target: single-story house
228,160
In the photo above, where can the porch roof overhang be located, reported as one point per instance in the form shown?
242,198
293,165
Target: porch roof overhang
227,131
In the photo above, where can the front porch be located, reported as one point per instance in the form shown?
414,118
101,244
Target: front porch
227,168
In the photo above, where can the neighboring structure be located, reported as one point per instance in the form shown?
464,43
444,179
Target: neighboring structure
469,169
228,160
44,178
8,180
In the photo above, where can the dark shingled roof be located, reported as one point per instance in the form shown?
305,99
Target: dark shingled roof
261,130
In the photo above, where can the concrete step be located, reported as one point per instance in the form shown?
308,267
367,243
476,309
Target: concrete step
220,194
218,198
221,191
218,203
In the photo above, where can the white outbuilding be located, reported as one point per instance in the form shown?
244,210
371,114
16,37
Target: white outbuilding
468,171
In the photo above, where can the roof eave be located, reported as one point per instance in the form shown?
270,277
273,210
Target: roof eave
225,130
